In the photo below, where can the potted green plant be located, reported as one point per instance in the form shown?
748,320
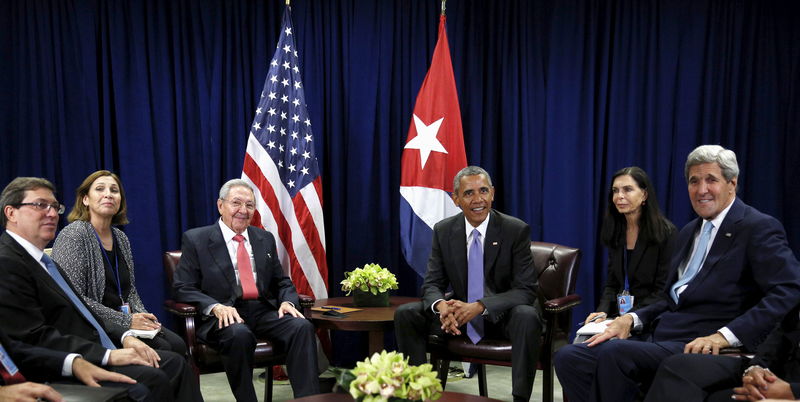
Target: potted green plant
370,285
388,377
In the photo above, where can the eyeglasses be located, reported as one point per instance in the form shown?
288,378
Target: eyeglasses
238,204
43,206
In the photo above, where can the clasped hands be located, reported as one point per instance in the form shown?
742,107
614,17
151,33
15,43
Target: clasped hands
760,383
227,315
455,313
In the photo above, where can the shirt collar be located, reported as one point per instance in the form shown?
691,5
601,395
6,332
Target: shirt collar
34,251
481,228
228,233
717,221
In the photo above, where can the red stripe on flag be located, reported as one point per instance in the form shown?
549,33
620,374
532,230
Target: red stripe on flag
311,235
252,171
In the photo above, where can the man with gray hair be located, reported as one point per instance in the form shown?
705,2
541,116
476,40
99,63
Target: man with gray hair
734,278
231,271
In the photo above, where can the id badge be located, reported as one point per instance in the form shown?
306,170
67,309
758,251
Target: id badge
5,359
125,308
624,302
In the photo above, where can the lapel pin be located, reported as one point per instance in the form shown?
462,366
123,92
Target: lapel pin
494,243
728,234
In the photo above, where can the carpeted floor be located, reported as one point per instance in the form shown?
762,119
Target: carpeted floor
215,386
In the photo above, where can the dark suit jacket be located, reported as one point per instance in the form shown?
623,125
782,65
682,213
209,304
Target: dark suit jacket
749,281
508,265
35,310
647,273
205,273
35,363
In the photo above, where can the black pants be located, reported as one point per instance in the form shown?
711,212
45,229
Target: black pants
237,342
522,325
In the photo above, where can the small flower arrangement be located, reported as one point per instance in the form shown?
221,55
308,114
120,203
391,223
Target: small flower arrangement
371,278
388,377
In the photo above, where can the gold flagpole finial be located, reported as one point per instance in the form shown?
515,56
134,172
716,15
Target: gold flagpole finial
443,6
288,1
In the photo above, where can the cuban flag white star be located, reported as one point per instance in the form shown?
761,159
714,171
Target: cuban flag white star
426,141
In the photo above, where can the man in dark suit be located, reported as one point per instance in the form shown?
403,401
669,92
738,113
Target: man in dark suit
33,363
774,372
730,283
497,265
41,308
231,271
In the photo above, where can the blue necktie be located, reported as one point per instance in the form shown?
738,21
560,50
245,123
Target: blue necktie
475,284
695,262
56,275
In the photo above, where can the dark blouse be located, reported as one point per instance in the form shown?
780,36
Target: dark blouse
111,296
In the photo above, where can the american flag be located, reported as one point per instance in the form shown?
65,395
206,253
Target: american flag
281,166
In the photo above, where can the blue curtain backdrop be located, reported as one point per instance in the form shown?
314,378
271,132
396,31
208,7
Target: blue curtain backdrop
555,96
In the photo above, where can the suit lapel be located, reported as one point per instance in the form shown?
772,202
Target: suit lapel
458,243
491,245
258,243
222,259
723,240
40,274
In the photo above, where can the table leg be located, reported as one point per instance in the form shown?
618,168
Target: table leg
375,342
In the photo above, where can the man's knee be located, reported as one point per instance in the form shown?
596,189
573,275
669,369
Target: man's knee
566,356
408,313
526,318
238,336
301,326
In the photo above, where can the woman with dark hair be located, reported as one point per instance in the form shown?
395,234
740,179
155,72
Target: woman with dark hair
639,240
98,261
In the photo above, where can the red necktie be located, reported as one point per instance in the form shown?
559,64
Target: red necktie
8,378
249,290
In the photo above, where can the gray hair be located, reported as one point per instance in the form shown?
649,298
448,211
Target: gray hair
226,188
14,193
725,158
469,171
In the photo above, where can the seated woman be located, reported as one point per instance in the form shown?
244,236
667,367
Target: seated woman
98,260
639,240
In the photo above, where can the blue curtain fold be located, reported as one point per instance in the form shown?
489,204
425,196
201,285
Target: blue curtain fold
555,96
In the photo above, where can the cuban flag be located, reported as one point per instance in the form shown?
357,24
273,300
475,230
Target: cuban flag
433,154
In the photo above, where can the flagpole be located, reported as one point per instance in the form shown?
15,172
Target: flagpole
443,5
288,1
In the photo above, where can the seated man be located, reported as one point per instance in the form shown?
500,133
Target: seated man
231,271
41,308
733,277
774,371
31,363
494,283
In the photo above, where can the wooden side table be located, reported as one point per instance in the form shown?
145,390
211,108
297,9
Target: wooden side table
374,320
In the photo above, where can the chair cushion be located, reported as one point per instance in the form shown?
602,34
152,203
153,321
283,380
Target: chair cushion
489,349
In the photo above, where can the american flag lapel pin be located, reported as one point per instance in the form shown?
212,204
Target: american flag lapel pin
494,243
728,234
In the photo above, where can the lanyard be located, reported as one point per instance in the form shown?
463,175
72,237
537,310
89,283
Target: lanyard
115,266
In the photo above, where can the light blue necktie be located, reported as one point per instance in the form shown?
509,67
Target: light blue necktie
475,285
56,275
695,262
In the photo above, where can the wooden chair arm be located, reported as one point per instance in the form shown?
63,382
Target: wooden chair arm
562,304
180,309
